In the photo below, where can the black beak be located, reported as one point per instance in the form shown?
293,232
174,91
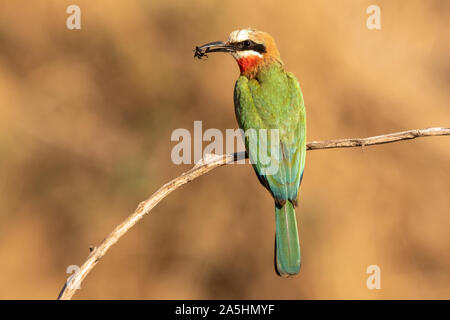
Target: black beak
217,46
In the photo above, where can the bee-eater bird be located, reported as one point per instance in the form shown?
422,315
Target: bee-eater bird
268,97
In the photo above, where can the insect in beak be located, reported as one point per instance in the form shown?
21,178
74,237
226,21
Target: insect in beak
217,46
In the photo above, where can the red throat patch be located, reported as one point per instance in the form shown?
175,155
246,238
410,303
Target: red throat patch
248,64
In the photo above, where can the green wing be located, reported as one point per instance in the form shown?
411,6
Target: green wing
274,102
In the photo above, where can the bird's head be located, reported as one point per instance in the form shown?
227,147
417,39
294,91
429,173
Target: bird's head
251,48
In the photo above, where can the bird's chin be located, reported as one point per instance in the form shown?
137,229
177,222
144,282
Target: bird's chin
235,55
248,54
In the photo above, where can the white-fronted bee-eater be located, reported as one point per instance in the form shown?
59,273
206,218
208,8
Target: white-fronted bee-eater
268,97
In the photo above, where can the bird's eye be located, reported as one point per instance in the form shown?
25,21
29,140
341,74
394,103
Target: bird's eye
247,43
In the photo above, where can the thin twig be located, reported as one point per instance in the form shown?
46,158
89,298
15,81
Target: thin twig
205,165
385,138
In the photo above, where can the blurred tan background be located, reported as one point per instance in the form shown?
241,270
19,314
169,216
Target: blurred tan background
85,124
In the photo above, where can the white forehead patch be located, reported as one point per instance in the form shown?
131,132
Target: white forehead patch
240,35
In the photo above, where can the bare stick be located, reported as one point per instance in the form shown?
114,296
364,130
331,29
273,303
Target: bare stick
205,165
385,138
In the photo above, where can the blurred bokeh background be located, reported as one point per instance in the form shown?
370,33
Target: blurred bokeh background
85,123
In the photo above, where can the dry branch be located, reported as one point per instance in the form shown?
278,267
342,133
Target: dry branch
205,165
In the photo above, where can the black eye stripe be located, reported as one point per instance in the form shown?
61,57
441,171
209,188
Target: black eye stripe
250,45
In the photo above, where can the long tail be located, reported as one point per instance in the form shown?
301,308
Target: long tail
286,241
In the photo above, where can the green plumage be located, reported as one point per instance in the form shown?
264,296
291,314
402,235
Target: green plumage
273,100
